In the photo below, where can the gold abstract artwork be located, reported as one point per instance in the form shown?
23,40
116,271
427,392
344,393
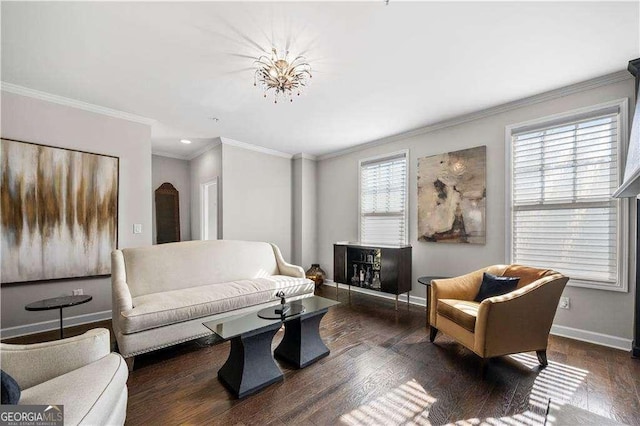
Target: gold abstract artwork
59,212
452,196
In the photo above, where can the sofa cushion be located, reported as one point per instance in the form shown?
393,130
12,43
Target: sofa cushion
170,307
462,312
173,266
89,394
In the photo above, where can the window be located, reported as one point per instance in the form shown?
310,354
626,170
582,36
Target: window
383,199
563,172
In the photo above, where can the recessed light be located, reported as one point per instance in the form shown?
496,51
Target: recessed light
187,141
215,119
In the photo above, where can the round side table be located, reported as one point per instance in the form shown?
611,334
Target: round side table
58,303
426,281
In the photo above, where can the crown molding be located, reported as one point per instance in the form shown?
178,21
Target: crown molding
166,154
305,156
186,157
257,148
204,149
61,100
498,109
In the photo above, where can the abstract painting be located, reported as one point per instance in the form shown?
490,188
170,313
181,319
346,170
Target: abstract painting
452,196
59,212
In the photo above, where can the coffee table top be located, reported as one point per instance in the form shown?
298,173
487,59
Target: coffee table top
236,325
57,302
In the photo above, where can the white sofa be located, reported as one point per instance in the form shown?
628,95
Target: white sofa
78,372
162,294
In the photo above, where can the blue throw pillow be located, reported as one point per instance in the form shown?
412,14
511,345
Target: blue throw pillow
493,285
10,389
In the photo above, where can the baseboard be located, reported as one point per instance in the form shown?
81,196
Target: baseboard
557,330
592,337
413,300
39,327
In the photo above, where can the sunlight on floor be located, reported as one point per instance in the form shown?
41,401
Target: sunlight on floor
407,404
557,382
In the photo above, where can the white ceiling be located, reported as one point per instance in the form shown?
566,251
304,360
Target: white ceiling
378,70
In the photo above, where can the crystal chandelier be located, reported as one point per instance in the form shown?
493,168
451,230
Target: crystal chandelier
283,77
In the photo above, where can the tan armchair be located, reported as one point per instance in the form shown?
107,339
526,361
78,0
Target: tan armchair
518,321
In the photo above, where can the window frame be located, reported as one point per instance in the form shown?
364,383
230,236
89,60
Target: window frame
623,213
376,158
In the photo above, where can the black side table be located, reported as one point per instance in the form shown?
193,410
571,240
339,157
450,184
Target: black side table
426,281
58,303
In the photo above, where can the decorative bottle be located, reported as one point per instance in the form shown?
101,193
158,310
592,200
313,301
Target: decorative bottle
355,279
375,283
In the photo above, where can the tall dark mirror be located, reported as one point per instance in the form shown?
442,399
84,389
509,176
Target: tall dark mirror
167,214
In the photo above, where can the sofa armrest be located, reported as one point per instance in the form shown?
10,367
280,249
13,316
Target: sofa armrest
287,268
33,364
518,321
120,293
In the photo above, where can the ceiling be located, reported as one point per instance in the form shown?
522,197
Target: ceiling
378,70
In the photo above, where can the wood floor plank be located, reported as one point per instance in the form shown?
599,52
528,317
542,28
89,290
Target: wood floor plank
382,369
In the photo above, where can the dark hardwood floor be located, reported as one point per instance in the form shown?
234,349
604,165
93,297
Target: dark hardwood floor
383,370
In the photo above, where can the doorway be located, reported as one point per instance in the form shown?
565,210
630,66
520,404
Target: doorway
209,204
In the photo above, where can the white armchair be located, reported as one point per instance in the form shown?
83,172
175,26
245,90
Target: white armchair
79,372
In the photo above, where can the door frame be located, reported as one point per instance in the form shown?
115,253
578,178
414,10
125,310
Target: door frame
204,208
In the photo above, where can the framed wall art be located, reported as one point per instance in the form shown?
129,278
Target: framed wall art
452,196
59,212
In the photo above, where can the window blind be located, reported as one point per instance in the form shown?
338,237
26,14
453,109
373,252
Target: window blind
563,216
383,200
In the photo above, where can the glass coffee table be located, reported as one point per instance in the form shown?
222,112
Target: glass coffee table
251,365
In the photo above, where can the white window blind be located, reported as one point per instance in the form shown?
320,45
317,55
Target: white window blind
563,216
383,200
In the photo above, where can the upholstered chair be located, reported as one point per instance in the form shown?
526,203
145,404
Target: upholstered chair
78,372
515,322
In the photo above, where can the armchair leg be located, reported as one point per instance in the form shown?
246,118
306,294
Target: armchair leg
542,358
433,332
483,367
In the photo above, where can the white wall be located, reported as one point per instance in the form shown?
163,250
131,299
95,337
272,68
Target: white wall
33,120
304,221
204,168
256,197
309,229
177,173
594,310
296,211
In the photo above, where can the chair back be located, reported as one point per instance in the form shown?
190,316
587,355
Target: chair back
527,274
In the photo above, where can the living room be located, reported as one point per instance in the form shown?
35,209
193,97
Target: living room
371,173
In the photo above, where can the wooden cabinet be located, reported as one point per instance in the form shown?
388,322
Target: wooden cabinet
380,268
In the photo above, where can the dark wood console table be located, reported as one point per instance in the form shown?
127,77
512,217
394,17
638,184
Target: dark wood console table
384,268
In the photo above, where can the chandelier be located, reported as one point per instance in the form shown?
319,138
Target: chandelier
284,78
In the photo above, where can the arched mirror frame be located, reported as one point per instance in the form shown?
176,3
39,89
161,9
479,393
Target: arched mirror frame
167,214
